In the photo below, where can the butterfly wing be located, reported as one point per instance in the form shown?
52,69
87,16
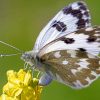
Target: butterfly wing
69,19
74,59
72,67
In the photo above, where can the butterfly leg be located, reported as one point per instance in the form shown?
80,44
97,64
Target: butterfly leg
45,79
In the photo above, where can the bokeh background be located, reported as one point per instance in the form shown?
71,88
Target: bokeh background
20,23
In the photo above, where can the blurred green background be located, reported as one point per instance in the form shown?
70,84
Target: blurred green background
20,23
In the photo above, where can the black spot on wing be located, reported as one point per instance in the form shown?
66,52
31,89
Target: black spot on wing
67,40
86,13
82,6
67,10
82,49
87,20
80,3
60,26
91,39
75,13
81,23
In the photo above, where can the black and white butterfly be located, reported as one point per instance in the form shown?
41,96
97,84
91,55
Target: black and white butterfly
68,48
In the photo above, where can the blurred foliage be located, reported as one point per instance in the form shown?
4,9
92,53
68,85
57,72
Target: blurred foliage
20,23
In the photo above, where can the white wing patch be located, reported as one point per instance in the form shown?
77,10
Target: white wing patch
83,64
69,19
77,84
65,62
57,54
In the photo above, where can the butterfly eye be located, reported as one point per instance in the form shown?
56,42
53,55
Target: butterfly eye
27,56
24,56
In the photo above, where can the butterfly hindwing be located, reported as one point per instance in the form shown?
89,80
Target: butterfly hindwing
72,67
69,19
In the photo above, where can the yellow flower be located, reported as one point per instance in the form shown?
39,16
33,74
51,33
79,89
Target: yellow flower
21,86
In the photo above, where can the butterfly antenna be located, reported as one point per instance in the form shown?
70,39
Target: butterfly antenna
7,55
11,47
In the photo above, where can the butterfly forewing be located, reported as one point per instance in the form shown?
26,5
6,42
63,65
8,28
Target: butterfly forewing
69,19
72,67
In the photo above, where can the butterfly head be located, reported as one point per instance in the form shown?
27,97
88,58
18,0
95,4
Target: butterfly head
28,57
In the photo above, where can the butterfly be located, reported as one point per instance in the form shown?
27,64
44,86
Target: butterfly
68,48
